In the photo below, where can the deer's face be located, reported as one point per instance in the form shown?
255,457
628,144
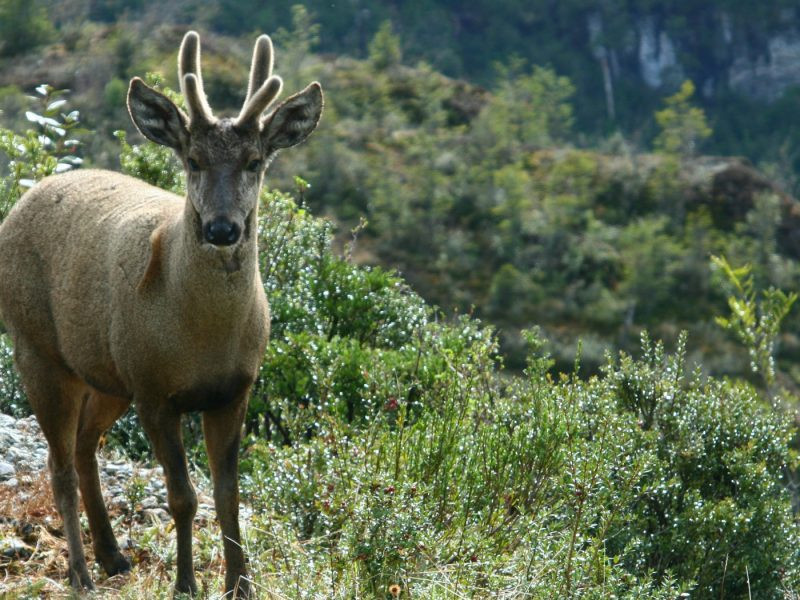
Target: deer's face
224,159
224,170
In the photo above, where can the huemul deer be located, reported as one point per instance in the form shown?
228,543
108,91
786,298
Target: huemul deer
115,293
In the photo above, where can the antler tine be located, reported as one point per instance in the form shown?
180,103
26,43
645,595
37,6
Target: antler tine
263,86
259,101
191,79
261,65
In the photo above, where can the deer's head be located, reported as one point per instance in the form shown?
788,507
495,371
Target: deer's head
224,159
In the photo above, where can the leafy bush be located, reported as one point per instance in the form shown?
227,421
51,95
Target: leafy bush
49,147
332,322
640,483
23,25
755,322
683,126
711,506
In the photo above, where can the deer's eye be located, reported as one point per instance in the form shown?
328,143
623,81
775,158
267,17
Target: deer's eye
254,165
193,166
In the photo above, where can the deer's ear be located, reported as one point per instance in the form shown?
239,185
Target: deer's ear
294,120
156,116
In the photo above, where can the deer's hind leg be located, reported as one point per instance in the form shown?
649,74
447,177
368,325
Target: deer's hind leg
98,413
56,396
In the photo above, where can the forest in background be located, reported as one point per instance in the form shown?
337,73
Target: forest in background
622,56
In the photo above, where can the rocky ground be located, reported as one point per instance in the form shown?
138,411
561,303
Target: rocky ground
31,539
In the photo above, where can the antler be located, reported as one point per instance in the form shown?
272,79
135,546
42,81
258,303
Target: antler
261,65
263,87
191,80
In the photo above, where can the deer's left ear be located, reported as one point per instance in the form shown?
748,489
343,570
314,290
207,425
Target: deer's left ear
294,120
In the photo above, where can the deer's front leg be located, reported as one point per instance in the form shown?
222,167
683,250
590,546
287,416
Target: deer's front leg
164,430
222,429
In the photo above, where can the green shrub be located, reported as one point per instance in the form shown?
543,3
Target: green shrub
23,25
313,290
642,483
683,126
12,396
50,146
711,506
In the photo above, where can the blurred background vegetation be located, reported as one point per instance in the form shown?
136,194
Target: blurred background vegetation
559,179
571,165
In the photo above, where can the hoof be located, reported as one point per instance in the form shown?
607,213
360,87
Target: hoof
79,579
240,589
185,589
115,564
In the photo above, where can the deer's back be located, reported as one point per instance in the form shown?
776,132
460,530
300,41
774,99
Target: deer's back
60,264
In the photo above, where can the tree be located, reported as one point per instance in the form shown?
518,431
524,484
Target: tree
295,45
23,25
529,110
384,49
683,126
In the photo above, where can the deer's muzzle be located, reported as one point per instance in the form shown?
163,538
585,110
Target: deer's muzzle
221,231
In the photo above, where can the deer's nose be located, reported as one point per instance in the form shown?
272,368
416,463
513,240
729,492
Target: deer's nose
221,231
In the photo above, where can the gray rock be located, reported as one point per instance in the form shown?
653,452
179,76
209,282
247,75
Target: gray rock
15,548
150,502
7,470
120,469
156,515
119,503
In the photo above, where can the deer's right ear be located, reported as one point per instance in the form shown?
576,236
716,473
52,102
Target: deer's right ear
156,116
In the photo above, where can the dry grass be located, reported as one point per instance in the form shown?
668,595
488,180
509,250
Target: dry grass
27,513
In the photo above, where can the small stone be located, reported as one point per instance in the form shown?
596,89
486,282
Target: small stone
150,502
21,454
7,470
126,543
156,515
119,469
119,503
15,548
8,439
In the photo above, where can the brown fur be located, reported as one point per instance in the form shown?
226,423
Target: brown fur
114,293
